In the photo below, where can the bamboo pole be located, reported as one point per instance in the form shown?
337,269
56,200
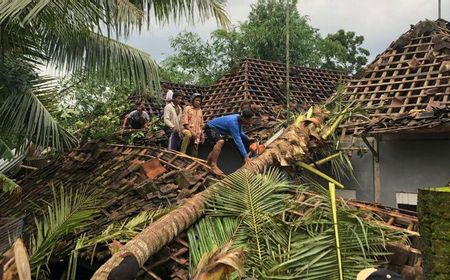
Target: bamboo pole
325,160
288,96
335,125
319,173
332,190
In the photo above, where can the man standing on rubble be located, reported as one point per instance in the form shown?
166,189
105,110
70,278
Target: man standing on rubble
192,121
137,119
230,125
172,119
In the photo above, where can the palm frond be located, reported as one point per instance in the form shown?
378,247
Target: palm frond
121,232
126,230
173,11
25,12
207,234
313,249
220,263
101,57
70,211
255,200
5,151
287,238
24,117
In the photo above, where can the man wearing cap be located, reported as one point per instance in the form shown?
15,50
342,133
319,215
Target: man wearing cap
137,119
378,274
230,125
172,119
192,122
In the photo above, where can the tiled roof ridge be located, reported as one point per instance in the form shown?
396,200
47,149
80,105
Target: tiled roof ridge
294,66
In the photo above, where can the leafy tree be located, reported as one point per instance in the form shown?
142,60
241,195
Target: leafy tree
265,34
70,36
203,62
92,110
195,57
342,51
262,36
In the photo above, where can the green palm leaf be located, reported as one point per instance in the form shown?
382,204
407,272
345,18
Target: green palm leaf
25,117
286,238
128,13
256,201
101,57
5,151
208,234
313,253
68,212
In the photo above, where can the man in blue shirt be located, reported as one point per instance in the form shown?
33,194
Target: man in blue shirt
230,125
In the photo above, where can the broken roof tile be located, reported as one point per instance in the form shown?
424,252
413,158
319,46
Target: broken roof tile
410,75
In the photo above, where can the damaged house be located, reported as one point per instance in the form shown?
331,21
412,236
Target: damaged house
129,180
405,95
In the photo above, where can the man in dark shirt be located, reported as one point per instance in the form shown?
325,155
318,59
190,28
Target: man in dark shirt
137,119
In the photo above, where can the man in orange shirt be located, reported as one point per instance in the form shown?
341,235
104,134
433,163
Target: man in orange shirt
192,122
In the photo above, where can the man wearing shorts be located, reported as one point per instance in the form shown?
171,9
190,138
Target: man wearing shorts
230,125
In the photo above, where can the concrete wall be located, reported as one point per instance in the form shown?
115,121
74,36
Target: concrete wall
407,163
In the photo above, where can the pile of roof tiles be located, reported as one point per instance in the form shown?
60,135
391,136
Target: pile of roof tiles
407,86
129,180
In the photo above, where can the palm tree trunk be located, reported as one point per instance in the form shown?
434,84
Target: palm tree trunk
293,145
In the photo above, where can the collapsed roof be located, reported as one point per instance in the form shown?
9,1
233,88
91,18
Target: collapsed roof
133,179
128,180
407,87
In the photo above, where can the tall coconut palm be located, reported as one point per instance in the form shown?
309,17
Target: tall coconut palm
75,36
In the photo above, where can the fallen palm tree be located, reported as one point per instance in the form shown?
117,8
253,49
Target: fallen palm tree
303,139
284,232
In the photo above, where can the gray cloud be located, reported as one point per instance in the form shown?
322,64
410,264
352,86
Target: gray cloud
380,22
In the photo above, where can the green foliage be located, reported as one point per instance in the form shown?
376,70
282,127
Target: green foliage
25,101
342,51
121,232
283,237
262,36
199,62
7,185
92,110
265,34
135,136
69,211
5,151
207,234
68,36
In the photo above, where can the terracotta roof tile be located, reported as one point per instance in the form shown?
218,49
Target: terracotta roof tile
407,86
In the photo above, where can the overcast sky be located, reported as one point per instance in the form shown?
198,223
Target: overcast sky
379,21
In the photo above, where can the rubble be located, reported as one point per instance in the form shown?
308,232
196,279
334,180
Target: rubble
119,175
